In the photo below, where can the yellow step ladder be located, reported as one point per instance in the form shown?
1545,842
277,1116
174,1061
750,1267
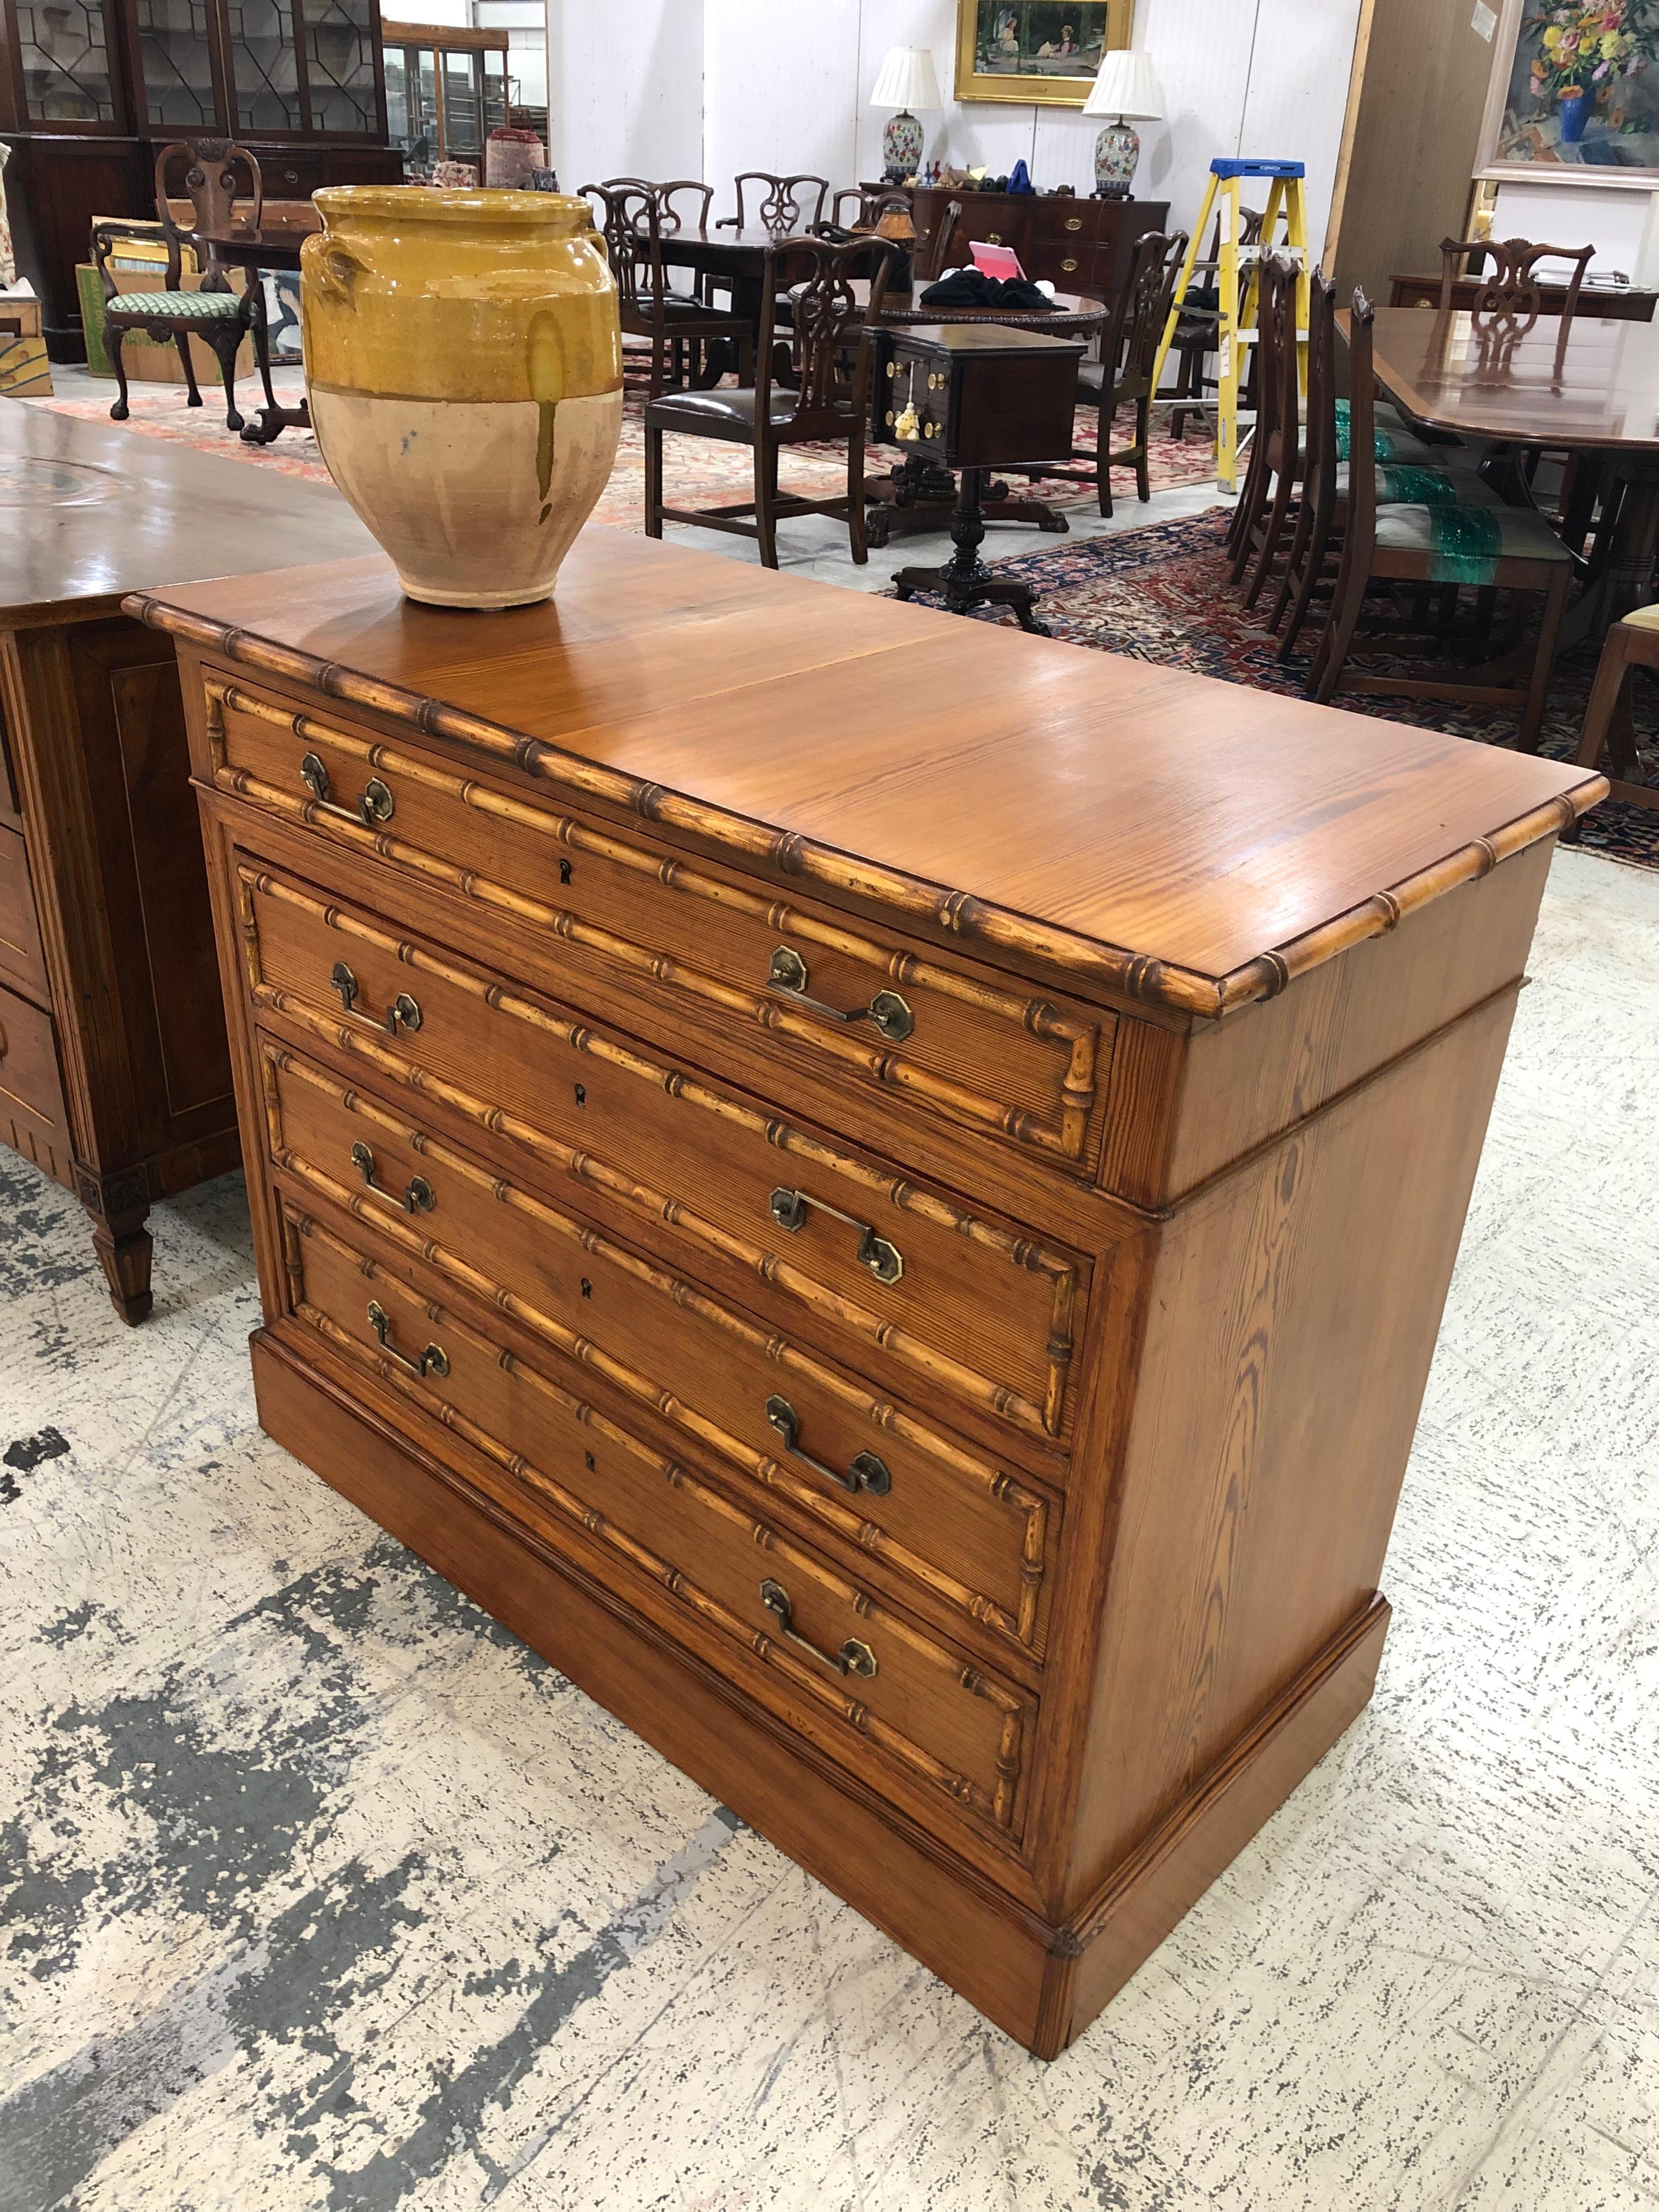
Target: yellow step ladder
1237,326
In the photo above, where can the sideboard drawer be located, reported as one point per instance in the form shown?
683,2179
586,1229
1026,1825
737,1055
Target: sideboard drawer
34,1118
983,1312
942,1033
881,1681
22,961
968,1532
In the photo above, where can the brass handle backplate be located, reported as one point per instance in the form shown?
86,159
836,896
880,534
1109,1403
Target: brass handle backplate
375,805
853,1658
885,1261
866,1473
1068,265
417,1199
1074,222
403,1012
434,1361
787,975
994,238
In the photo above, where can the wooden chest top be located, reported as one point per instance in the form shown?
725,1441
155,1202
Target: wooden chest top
1189,843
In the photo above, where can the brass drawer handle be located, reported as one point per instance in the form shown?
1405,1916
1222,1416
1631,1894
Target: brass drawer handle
375,805
1068,265
1074,222
434,1361
417,1199
787,975
403,1009
866,1472
853,1658
883,1259
994,238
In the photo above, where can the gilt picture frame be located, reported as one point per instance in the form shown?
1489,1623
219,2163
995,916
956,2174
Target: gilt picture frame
1574,94
1040,53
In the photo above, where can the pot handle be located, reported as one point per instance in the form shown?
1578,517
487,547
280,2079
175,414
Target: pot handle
337,271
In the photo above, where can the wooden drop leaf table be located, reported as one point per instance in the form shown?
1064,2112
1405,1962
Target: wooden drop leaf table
901,1250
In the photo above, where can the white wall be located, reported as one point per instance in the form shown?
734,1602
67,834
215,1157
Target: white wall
754,84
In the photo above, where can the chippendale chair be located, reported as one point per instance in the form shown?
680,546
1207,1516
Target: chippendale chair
830,401
1512,288
214,313
633,226
785,204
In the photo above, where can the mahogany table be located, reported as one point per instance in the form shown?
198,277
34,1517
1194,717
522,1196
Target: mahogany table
1587,386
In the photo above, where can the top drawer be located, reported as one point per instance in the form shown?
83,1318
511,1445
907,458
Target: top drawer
948,1037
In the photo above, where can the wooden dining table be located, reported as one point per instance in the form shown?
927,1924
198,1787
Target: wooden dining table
1588,384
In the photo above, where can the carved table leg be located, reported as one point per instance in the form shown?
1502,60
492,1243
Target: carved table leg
119,1206
966,582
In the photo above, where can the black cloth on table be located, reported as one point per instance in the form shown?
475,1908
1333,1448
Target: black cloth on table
972,288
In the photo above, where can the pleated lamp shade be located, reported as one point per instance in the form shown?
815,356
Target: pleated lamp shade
1127,85
907,80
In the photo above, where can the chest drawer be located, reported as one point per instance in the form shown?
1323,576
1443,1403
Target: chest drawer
985,1313
869,1676
21,960
10,805
941,1035
33,1120
963,1529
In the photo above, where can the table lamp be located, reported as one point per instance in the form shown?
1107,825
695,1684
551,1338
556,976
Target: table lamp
907,81
1127,85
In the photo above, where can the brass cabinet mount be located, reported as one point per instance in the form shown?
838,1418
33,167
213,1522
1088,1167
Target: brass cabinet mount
865,1472
853,1658
788,975
434,1361
883,1259
375,805
403,1012
417,1198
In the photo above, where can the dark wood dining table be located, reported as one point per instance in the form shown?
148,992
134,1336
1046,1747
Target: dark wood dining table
285,226
1588,386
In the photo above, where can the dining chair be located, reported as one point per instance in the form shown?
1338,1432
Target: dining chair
1632,643
1468,538
784,204
830,401
1123,374
634,228
1275,464
1513,288
1196,327
869,203
214,313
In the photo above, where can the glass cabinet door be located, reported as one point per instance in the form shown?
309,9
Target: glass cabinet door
63,47
264,66
495,91
339,49
176,58
462,90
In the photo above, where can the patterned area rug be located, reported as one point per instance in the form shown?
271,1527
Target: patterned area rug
1162,594
699,471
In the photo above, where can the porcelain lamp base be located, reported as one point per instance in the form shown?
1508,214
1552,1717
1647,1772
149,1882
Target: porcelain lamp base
901,148
1117,150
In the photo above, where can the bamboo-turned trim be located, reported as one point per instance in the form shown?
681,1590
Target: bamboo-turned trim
1009,1405
1031,1512
1138,977
997,1806
1065,1137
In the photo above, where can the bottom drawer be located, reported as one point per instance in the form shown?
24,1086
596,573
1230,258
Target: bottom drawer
33,1120
21,960
856,1675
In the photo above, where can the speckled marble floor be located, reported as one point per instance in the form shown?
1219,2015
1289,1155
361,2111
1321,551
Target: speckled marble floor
317,1891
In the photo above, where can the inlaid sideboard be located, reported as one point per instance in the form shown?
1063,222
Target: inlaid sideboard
114,1075
877,1189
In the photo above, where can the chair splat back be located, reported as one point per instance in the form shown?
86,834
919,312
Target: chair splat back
784,204
830,327
210,186
1513,286
632,230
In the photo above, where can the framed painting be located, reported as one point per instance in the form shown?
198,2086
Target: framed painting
1040,52
1575,92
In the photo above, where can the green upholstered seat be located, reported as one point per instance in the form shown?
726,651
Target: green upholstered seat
176,307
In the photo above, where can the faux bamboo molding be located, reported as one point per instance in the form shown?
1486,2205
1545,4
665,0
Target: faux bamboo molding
1030,1511
1045,1421
998,1808
1133,975
1087,1041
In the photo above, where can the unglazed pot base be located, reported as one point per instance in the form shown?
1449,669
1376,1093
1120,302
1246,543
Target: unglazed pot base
477,502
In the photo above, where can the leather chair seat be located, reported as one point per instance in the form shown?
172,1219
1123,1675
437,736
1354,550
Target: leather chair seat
717,414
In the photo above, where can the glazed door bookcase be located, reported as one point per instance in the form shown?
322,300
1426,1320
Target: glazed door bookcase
60,67
445,89
259,69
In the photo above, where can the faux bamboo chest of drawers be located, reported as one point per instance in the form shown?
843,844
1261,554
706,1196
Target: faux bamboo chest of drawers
880,1189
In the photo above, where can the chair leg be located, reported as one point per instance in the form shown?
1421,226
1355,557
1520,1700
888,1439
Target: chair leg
857,531
766,521
112,336
1143,439
1345,602
181,340
225,344
1610,674
1103,417
1278,514
1538,690
653,481
260,329
1293,563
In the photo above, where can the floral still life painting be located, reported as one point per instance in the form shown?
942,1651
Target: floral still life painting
1584,87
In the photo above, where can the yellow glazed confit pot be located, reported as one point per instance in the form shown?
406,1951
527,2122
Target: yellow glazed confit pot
463,366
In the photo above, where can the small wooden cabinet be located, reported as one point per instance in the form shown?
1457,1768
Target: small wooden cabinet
90,90
892,1217
115,1077
1076,245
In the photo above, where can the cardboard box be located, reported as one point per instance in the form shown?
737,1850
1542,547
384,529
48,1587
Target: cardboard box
25,372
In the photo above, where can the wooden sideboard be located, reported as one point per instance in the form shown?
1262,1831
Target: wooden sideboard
901,1250
115,1077
1076,245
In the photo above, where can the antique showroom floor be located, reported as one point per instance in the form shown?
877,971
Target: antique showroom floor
318,1890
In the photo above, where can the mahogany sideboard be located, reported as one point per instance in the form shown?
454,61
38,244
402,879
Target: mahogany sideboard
114,1076
1079,244
901,1250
